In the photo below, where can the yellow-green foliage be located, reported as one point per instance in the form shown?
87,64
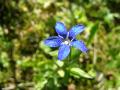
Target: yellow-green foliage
25,62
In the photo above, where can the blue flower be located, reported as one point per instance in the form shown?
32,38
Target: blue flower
65,40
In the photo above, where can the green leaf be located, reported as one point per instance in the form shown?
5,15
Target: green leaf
44,47
54,53
40,85
77,72
93,31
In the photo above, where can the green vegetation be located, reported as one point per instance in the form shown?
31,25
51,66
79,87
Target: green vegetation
27,64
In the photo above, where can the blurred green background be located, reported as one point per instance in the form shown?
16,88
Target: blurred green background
27,64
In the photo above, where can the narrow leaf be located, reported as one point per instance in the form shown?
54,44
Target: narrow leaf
93,31
79,72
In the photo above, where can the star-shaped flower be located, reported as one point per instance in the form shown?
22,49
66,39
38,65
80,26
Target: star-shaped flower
65,40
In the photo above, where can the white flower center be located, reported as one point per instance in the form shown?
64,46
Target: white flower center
66,42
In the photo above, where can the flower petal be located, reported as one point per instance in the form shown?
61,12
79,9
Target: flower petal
61,29
76,30
53,41
64,50
80,45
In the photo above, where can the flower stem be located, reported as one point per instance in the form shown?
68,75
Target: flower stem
69,57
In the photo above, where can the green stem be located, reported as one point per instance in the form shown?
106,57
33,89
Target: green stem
69,57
